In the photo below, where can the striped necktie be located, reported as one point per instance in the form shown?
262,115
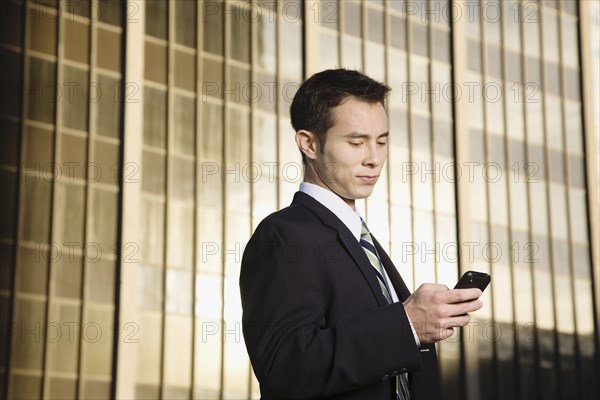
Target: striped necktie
366,241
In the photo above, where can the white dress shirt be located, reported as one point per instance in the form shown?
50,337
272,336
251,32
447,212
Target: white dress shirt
352,219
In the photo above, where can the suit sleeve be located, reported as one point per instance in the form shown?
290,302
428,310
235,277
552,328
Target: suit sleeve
293,351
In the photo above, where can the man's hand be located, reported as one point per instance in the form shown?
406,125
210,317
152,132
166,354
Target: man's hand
435,310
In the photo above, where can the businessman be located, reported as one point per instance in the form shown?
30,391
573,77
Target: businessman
325,312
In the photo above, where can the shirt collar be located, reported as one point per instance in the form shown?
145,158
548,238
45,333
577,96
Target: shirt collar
348,215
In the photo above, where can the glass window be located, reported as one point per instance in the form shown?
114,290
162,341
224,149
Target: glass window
182,176
212,79
185,28
444,145
28,353
494,61
103,221
474,55
212,22
38,150
106,159
155,124
212,132
70,214
62,388
538,206
240,34
376,25
550,37
578,215
398,32
514,67
569,40
35,209
108,115
576,171
572,83
557,166
98,354
353,19
558,211
533,72
554,135
156,62
151,249
419,72
75,95
266,41
42,31
328,50
421,136
153,172
79,7
156,18
328,14
420,39
185,124
63,352
179,291
110,12
41,90
441,42
32,269
238,88
537,169
109,50
511,17
531,28
492,20
76,41
73,157
574,126
100,276
552,78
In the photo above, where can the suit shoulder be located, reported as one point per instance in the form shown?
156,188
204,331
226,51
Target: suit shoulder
292,219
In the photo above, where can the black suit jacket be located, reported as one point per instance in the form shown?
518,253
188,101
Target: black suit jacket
315,322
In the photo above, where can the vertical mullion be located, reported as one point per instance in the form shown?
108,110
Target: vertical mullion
511,263
168,187
523,94
548,177
226,110
53,192
566,180
484,68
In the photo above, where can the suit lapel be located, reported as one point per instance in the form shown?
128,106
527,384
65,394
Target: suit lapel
347,239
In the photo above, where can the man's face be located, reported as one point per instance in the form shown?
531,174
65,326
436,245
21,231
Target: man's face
355,150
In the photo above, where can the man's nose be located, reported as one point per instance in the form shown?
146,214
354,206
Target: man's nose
373,156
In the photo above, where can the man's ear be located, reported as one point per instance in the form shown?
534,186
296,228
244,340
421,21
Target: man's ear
307,143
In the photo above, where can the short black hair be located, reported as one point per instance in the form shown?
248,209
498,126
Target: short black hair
312,104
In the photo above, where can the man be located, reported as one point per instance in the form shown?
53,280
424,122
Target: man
326,314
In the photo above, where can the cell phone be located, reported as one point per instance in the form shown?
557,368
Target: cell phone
473,279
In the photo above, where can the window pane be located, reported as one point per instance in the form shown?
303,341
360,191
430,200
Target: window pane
420,39
240,34
376,25
42,28
212,22
156,18
152,247
110,11
155,109
41,89
185,124
185,70
109,106
77,41
75,96
35,209
156,62
104,221
353,18
109,50
185,28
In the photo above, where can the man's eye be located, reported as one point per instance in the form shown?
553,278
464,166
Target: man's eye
382,143
355,143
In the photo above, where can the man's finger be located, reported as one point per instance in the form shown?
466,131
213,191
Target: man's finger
460,295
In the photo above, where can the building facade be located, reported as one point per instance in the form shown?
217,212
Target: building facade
142,142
